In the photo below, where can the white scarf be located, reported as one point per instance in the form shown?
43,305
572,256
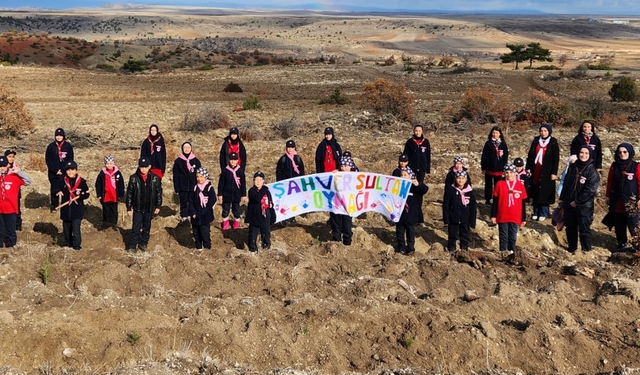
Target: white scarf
543,144
512,200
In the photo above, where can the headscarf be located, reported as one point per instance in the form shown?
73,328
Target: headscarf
629,148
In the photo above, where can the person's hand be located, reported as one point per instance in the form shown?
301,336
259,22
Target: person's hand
528,173
599,170
59,172
523,224
493,220
59,194
554,177
606,200
244,199
573,204
194,216
156,211
415,182
129,213
219,198
16,168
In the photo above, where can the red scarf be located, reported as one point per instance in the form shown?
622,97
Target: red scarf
72,189
60,150
329,161
235,148
110,194
418,142
511,186
264,204
152,142
2,176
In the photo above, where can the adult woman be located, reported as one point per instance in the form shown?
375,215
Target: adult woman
418,150
232,143
153,148
184,177
495,155
542,165
623,187
328,153
578,192
587,136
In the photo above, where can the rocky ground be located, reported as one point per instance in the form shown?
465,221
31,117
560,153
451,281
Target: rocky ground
307,305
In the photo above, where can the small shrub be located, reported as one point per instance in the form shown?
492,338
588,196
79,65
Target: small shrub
232,87
252,103
550,109
625,90
600,67
542,67
203,119
134,65
14,118
133,338
287,128
408,341
446,61
206,67
106,67
484,105
579,72
45,271
384,96
612,120
336,98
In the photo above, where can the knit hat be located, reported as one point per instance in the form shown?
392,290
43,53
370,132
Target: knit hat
70,165
9,152
518,162
510,167
258,174
328,130
291,143
546,126
233,156
204,172
403,158
3,161
60,131
109,159
458,159
461,174
410,172
234,130
144,162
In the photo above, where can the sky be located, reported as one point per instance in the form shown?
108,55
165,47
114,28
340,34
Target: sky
622,7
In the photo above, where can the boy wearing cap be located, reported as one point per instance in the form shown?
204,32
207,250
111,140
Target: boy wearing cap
508,207
154,149
184,177
232,189
521,173
341,225
202,200
143,200
73,190
109,189
233,144
459,210
411,214
458,165
11,158
403,162
260,214
10,183
418,150
58,153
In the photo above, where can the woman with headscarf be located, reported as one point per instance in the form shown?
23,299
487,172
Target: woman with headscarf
577,196
495,155
587,136
154,150
328,153
542,166
623,188
233,144
184,177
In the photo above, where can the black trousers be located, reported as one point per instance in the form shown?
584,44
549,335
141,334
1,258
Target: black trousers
420,176
184,203
409,231
202,235
8,229
622,223
110,212
265,234
461,232
72,235
141,231
230,206
341,228
490,183
574,222
53,181
508,235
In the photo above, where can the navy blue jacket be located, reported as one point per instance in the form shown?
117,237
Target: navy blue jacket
224,154
227,188
54,164
419,155
321,154
159,157
254,208
284,169
74,210
579,141
204,215
451,177
100,181
412,212
183,180
454,211
490,160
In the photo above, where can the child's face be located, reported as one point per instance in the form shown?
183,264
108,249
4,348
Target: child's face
59,138
200,178
345,168
291,150
403,164
145,170
495,134
110,165
233,136
461,180
417,131
405,175
328,137
11,158
509,175
72,173
4,169
519,169
153,131
258,181
233,163
458,166
186,149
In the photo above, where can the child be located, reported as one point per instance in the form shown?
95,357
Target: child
260,214
10,182
403,162
11,157
508,208
521,173
74,190
411,215
290,165
458,165
153,148
233,144
232,189
495,155
184,177
143,199
202,200
58,153
341,225
109,189
459,211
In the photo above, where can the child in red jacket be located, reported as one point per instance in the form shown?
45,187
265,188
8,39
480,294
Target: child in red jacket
109,189
10,182
508,208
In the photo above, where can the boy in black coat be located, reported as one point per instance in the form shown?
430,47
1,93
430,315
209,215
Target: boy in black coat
72,189
411,215
184,177
58,153
154,149
459,211
232,189
202,200
110,189
260,214
143,199
403,162
521,173
418,150
233,144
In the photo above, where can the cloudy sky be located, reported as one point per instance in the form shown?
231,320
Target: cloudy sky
623,7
